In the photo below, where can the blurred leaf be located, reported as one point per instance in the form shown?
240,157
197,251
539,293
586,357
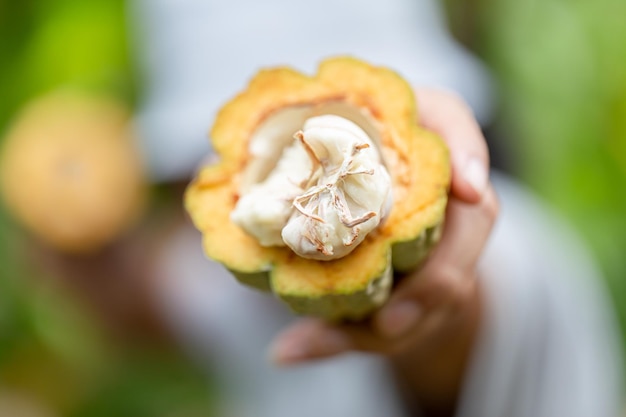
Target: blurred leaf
81,43
562,71
45,45
51,347
151,384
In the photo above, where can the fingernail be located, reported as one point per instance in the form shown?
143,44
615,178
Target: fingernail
285,351
397,319
331,342
327,343
475,174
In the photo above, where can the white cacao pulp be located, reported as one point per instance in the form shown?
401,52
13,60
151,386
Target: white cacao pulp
328,190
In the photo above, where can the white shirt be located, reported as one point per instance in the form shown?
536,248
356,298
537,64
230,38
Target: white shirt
197,54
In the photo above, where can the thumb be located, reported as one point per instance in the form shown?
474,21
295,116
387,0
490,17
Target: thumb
447,115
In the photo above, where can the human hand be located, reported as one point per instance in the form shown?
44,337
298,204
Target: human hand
434,300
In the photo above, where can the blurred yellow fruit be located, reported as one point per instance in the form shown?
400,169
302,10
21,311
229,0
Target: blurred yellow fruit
70,173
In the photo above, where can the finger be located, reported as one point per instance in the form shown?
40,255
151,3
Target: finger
445,280
309,339
465,233
447,115
312,339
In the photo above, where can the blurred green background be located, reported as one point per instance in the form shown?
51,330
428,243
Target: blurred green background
561,72
58,356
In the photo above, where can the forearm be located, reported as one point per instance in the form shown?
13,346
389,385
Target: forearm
431,373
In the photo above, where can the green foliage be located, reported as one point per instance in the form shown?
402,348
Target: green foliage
52,349
149,384
44,45
561,66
